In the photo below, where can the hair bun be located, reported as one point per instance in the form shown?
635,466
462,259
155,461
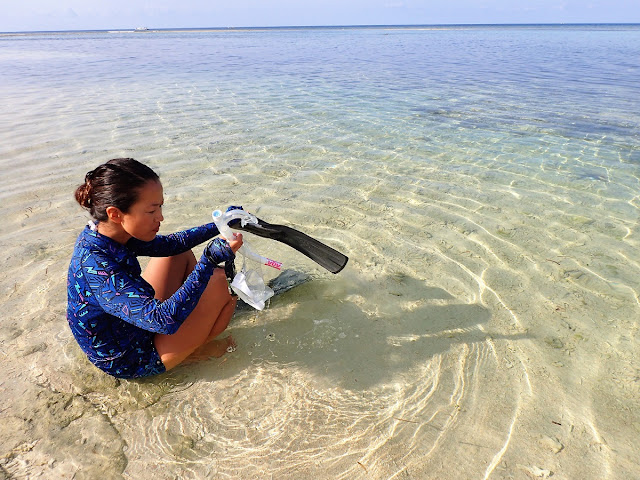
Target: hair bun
83,194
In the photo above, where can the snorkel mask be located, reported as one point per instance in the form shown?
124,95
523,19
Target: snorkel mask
247,284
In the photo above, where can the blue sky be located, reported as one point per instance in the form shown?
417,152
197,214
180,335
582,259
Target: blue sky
27,15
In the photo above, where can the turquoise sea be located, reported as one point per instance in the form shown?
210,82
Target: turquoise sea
484,181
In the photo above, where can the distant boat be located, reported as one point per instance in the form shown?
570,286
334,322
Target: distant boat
141,29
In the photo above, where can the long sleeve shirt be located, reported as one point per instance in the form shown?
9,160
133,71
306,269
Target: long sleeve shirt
111,309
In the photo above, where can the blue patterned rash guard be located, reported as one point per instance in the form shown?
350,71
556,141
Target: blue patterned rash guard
111,309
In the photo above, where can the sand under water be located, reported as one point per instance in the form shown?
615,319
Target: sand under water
486,325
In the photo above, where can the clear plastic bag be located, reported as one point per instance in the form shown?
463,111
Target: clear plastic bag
250,287
247,284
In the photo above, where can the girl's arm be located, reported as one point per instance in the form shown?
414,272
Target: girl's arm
175,243
132,298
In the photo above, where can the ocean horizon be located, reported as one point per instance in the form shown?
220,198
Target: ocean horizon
142,29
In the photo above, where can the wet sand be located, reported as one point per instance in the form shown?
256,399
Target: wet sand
474,348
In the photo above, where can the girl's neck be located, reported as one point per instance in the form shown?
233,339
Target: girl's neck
114,231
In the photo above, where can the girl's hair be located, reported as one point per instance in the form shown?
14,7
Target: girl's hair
115,183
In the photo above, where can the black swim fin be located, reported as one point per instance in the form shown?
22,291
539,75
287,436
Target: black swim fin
317,251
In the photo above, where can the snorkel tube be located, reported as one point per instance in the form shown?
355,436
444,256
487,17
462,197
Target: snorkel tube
222,220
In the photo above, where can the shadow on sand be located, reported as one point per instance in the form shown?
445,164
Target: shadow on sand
351,333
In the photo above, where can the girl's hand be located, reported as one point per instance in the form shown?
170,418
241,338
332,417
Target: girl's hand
218,250
236,242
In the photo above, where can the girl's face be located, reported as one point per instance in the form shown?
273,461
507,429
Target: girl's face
142,221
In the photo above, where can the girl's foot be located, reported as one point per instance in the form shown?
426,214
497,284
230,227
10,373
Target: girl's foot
215,348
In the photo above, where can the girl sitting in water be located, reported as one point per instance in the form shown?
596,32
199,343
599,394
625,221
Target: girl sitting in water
133,324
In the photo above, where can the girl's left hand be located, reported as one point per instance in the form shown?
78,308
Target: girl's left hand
236,242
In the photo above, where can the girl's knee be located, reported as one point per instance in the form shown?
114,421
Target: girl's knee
218,282
220,276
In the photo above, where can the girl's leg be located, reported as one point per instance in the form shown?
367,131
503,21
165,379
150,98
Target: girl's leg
208,320
167,274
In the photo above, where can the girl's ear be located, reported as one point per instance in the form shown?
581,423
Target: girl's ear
114,214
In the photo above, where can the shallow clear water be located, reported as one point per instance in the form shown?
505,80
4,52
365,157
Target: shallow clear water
484,182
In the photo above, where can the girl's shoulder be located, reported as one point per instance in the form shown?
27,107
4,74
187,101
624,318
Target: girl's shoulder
92,247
